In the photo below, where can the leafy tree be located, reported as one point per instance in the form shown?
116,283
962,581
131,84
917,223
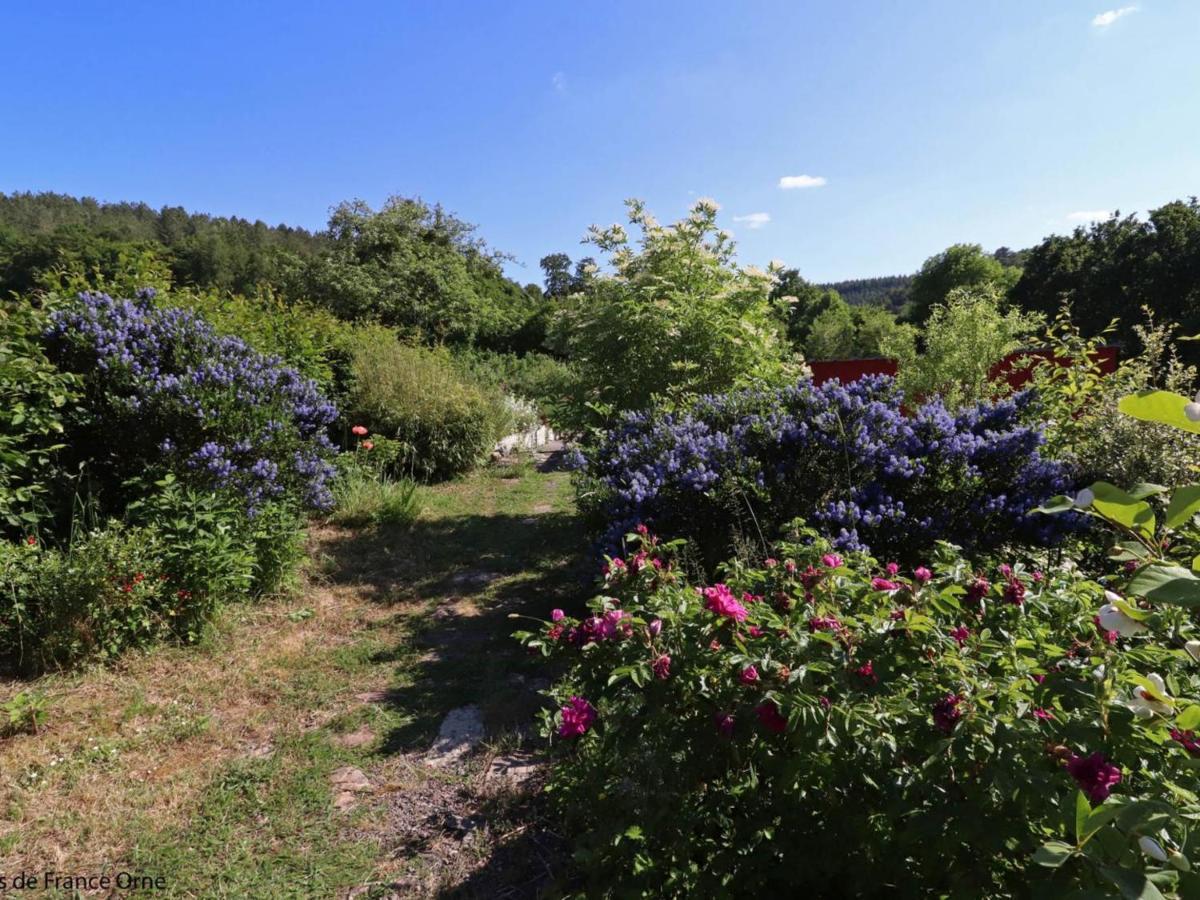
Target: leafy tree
959,266
557,269
832,335
874,327
413,266
963,339
1111,269
802,303
677,317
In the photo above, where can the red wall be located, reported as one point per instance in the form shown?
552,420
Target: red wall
848,370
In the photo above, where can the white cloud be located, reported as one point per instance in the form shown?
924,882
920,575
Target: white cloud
753,220
1088,215
559,81
792,182
1104,19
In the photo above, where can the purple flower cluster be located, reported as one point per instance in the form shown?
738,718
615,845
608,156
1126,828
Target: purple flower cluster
849,458
175,393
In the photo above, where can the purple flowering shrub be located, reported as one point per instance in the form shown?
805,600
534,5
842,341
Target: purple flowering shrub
820,723
851,459
164,392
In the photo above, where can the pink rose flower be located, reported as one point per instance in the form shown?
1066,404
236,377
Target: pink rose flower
577,717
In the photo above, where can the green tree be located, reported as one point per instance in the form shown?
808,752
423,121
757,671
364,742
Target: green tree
959,266
556,268
963,339
676,317
409,265
1111,269
802,302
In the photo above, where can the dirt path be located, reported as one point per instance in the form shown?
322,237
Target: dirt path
290,754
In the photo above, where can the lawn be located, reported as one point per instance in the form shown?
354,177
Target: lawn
214,766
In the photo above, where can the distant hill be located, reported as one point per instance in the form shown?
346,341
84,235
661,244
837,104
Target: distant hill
889,290
44,231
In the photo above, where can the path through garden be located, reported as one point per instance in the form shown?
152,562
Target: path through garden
293,754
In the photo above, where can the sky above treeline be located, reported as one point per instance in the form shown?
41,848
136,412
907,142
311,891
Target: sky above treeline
846,139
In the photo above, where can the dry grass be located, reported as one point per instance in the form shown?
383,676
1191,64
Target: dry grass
210,765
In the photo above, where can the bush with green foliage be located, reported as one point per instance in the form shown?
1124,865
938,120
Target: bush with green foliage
416,395
35,397
827,725
676,318
1080,402
539,377
962,342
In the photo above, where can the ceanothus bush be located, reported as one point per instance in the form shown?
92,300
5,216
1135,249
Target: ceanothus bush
851,459
165,391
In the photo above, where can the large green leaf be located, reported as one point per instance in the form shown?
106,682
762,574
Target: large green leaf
1163,407
1173,585
1053,854
1185,503
1123,508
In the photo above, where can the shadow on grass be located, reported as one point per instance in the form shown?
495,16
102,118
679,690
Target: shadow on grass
453,653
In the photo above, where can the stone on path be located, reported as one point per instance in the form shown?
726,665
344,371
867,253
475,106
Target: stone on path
461,730
348,781
516,768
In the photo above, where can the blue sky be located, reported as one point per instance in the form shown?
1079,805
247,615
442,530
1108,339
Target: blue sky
927,123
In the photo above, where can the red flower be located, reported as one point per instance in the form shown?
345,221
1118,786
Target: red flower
662,667
31,540
360,430
368,445
867,673
770,717
946,713
1094,774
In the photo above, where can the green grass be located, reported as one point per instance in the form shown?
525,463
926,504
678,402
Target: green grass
364,498
227,822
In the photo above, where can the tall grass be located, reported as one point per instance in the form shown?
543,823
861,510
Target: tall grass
366,498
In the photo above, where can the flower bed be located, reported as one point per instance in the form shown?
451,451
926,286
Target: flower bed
823,723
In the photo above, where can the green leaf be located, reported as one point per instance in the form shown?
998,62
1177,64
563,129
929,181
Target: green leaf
1163,407
1053,854
1189,719
1122,508
1132,885
1185,503
1144,489
1083,809
1172,585
1055,505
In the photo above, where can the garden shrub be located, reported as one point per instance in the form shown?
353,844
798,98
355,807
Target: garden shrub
164,392
416,396
34,399
1079,403
676,318
158,575
820,724
965,337
734,468
538,377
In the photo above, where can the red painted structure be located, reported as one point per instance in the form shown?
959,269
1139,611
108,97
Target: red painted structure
1012,368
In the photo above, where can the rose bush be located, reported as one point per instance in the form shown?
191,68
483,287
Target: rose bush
822,722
